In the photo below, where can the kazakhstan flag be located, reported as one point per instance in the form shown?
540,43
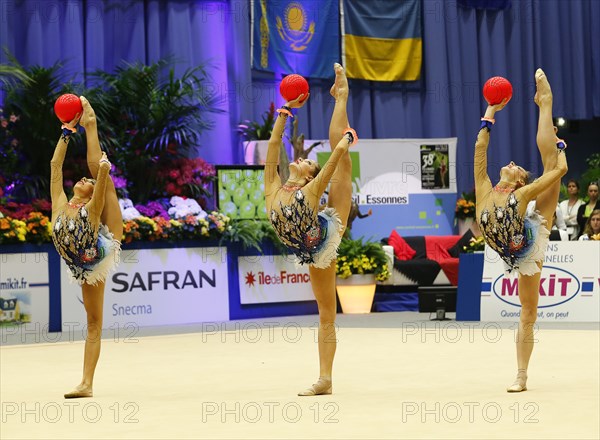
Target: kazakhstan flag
382,39
296,36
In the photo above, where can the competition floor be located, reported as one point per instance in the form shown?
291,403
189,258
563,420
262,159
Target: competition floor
396,375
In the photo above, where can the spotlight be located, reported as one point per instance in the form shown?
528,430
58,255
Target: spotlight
561,122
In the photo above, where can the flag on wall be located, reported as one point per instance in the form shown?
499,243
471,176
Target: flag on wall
382,39
296,36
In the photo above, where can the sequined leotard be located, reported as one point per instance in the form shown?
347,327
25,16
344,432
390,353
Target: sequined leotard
87,247
512,235
313,238
81,246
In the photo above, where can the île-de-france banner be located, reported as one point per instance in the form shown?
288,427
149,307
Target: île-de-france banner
382,39
300,37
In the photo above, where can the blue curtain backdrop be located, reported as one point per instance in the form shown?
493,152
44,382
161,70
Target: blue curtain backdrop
462,48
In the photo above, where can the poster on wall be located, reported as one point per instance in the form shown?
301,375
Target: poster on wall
158,287
569,285
407,185
24,290
434,167
273,278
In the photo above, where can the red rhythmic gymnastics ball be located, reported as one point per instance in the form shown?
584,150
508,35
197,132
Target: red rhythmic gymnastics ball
293,86
67,106
497,89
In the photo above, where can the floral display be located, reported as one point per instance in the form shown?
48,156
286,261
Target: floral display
356,257
34,227
155,208
211,226
465,206
186,177
476,244
12,230
181,207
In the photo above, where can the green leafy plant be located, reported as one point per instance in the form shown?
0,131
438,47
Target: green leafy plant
30,96
147,121
244,232
592,174
254,131
357,257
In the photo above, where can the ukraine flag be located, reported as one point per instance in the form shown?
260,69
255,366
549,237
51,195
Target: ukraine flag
382,39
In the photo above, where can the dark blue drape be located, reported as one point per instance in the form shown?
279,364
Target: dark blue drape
462,48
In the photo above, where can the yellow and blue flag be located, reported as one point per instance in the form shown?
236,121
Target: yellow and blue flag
296,36
382,39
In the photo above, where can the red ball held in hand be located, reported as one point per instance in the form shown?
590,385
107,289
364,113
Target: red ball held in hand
496,89
67,106
293,86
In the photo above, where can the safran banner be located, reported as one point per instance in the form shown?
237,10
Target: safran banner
152,287
569,286
295,37
381,40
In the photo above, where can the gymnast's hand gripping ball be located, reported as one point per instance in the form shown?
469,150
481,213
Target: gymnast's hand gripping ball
293,86
67,106
497,89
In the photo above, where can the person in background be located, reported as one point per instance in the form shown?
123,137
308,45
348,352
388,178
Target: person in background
592,227
570,207
585,210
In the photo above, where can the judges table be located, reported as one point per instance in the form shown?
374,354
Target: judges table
569,285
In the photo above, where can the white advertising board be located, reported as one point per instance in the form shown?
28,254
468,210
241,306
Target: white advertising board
158,287
24,290
569,285
273,278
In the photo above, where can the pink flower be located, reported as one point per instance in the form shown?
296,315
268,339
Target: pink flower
4,123
14,118
170,188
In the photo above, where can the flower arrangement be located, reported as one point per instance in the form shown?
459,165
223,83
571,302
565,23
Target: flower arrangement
33,227
253,131
30,223
476,244
39,228
465,206
595,237
185,177
12,230
358,257
155,208
142,228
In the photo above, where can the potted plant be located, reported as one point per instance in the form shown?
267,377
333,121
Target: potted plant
464,214
256,137
476,244
360,264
